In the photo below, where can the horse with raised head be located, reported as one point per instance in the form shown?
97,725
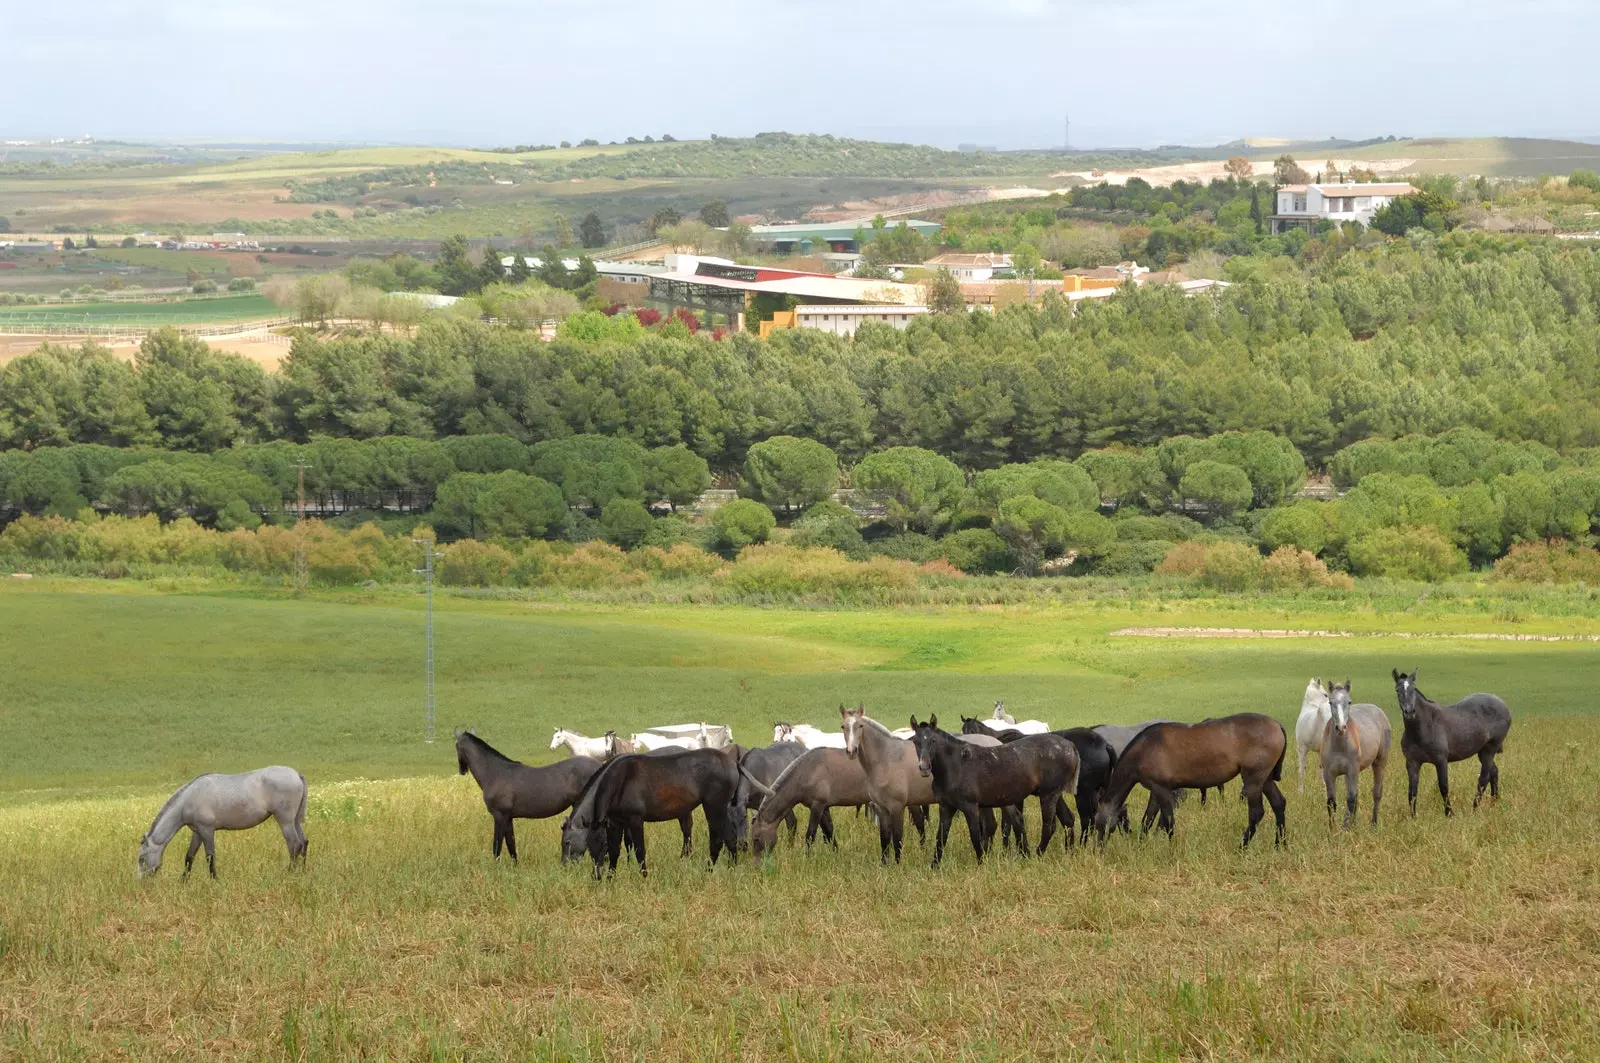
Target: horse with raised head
1356,737
1475,726
579,745
893,781
1309,727
968,778
631,791
513,790
209,803
1168,757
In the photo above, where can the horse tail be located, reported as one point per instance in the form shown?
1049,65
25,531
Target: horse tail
1277,769
300,812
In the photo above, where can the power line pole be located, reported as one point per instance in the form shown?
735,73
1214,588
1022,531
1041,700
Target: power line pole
301,569
427,638
1066,133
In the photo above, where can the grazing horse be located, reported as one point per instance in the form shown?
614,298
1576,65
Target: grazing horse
631,791
1438,734
820,779
1308,729
761,766
1356,737
580,746
210,803
1167,757
966,779
1119,735
807,736
893,781
513,790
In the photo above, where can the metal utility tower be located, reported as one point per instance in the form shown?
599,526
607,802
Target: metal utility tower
427,639
1066,133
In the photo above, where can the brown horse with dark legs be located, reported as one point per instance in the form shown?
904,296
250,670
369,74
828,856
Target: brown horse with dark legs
513,790
1168,757
1475,726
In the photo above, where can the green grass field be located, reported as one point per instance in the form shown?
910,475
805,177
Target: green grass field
1472,938
182,312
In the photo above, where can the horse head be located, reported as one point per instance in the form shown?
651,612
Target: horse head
923,738
782,732
560,737
851,722
149,856
1405,689
461,752
1339,707
1316,696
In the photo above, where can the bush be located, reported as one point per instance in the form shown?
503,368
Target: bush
680,562
204,287
1230,566
829,524
978,551
242,284
1167,528
469,563
1222,489
1289,568
1419,553
743,522
784,572
596,564
625,522
1556,561
1305,525
1135,558
907,546
1184,559
666,532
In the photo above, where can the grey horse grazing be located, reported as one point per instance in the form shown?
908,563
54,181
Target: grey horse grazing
1475,726
211,803
1356,737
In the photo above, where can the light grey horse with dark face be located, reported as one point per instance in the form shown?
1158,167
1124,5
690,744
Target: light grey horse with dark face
211,803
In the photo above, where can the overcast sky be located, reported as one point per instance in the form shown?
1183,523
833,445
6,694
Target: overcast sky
1003,72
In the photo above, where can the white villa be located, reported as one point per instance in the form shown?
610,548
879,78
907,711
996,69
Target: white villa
1303,206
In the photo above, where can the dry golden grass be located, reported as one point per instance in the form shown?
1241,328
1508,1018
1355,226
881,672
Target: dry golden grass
1473,938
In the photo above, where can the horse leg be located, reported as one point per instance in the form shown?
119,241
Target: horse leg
685,824
1257,810
1202,797
511,840
1275,799
1019,834
208,838
1068,825
1327,780
1494,776
1047,812
794,825
1441,771
194,847
970,812
637,831
1150,810
1377,786
1352,780
946,813
1485,769
1413,770
826,819
883,835
1300,753
897,830
919,820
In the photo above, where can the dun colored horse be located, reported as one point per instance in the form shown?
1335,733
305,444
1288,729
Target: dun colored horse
1475,726
1167,757
820,779
760,767
513,790
893,781
1356,737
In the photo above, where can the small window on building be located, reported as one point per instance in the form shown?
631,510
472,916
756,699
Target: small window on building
1363,202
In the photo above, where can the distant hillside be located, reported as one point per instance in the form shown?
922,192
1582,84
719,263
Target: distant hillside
1490,156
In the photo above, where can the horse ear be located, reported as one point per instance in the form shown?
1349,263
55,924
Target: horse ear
458,732
933,721
473,731
1396,673
1347,684
913,721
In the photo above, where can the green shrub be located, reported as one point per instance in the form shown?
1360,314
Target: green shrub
918,488
1136,558
1231,566
1549,562
682,561
907,546
242,284
791,472
625,522
469,563
204,287
1304,525
1222,489
666,532
978,551
829,524
743,522
1419,553
596,564
1167,528
775,571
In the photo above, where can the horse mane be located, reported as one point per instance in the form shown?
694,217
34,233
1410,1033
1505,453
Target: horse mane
179,792
868,719
587,793
487,748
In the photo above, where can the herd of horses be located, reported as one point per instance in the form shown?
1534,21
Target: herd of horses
983,774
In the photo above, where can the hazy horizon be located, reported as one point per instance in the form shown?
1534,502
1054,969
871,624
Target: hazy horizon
1130,73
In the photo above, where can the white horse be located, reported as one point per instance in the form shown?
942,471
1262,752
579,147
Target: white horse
649,741
211,803
1004,721
808,736
581,746
1314,715
704,735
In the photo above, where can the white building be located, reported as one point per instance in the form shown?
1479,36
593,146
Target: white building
1303,206
970,267
843,320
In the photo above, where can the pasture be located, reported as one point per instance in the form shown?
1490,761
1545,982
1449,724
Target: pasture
1472,938
177,312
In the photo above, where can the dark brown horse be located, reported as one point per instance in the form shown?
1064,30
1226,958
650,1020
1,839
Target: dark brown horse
1475,726
513,790
1096,756
968,778
631,791
1168,757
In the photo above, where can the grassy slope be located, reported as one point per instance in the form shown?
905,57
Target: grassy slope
1466,939
184,312
1493,156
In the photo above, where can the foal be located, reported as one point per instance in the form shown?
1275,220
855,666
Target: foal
1356,737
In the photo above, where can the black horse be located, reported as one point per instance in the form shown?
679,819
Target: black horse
968,778
513,790
634,790
761,767
1095,759
1475,726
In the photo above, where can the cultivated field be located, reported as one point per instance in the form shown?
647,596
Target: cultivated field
1472,938
177,312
